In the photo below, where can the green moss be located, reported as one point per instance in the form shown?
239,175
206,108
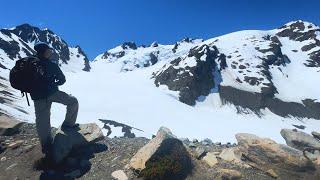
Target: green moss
171,161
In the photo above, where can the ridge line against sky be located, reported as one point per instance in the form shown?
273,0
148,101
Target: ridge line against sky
101,25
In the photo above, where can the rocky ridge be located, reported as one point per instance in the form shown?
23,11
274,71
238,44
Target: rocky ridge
162,157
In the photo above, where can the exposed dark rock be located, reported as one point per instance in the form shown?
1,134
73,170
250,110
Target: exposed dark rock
191,82
86,60
129,45
296,31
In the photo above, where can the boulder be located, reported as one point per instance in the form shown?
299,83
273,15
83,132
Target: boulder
211,159
267,154
8,125
65,140
163,157
119,175
230,155
299,140
316,135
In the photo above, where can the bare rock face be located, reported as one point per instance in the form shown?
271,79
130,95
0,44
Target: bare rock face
191,75
299,140
8,126
65,140
267,154
164,157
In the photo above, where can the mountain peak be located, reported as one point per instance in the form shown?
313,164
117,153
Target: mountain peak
300,25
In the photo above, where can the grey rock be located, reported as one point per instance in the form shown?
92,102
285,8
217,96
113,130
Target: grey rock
192,145
206,142
299,140
165,146
119,175
211,159
200,152
65,140
267,153
316,135
9,126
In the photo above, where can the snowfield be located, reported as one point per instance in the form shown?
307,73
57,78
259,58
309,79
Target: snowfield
133,99
120,87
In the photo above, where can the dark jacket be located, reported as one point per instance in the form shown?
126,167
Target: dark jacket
54,78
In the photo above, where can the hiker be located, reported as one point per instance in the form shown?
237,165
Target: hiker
48,93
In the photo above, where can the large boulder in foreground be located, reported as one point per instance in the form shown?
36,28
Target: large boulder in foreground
299,140
9,126
65,140
267,154
164,157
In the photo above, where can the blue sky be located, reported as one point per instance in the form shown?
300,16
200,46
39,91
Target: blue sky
98,25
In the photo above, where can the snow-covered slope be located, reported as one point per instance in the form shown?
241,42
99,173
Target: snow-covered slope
246,81
251,69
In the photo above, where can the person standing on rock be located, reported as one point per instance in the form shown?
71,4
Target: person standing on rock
49,93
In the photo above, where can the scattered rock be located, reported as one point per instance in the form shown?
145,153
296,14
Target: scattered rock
271,173
313,155
192,145
230,156
299,140
206,142
15,144
65,140
11,166
316,135
317,162
231,174
119,175
3,159
9,126
195,140
163,157
211,159
200,152
268,154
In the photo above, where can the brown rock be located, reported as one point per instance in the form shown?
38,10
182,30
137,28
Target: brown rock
269,154
271,173
229,174
15,144
8,125
210,159
164,157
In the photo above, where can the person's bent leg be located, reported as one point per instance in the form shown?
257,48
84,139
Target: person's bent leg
72,106
42,111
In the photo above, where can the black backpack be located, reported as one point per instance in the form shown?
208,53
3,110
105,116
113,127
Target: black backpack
27,75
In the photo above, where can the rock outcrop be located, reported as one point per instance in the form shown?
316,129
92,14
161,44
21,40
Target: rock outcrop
66,139
267,154
9,126
164,157
299,140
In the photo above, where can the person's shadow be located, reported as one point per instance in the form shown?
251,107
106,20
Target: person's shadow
76,164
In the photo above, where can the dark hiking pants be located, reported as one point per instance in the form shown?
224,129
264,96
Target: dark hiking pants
42,110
